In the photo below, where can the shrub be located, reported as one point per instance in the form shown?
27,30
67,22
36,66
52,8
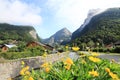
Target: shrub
117,49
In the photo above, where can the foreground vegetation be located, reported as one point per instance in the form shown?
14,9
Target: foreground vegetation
23,52
86,67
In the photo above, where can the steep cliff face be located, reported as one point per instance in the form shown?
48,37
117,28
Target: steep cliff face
59,37
33,34
91,14
103,28
19,33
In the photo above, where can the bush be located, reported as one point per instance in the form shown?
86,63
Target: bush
100,50
28,52
116,49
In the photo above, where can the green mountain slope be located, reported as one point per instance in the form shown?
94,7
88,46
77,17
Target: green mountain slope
103,28
19,33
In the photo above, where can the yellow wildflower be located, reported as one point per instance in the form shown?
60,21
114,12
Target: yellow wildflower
94,59
22,62
22,72
83,61
113,60
66,47
27,68
107,70
45,54
30,78
46,64
94,73
75,48
47,69
27,73
114,76
68,66
83,55
69,61
95,54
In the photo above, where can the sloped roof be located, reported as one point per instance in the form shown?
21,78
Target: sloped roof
10,45
118,42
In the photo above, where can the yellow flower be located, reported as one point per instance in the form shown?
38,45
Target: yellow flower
83,55
22,72
94,59
95,54
68,66
47,69
69,61
75,48
83,61
30,78
113,60
107,70
114,76
22,62
27,68
66,47
27,73
94,73
46,64
45,54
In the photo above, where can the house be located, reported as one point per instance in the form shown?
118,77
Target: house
46,46
117,43
34,44
5,47
109,46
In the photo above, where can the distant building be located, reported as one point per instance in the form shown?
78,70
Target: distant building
5,47
117,43
48,47
34,44
109,46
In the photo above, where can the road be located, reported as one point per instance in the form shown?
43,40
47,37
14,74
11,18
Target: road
116,57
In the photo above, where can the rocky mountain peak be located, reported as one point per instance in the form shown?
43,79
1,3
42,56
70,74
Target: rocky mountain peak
60,36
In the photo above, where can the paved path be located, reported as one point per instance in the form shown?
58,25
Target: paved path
116,57
111,56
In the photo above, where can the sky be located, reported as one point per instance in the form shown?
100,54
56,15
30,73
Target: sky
49,16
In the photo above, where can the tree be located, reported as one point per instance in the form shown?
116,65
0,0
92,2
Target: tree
90,44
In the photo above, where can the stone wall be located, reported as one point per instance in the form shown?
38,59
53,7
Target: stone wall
11,69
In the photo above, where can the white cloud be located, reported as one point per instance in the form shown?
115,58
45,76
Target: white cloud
18,12
72,13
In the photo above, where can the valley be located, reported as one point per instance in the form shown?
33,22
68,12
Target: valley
91,52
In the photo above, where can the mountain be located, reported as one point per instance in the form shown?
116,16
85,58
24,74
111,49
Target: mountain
59,37
103,27
19,33
91,13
